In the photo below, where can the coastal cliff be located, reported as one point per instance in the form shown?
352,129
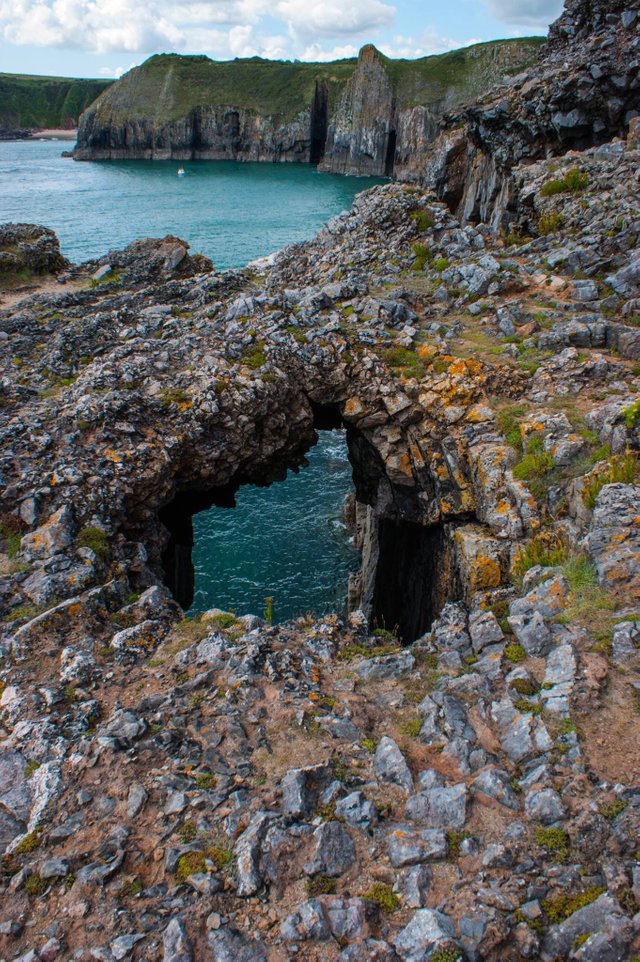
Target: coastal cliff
351,116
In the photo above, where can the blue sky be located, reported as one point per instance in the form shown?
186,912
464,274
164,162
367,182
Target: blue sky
103,38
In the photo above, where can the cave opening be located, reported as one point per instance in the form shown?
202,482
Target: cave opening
319,122
289,538
390,158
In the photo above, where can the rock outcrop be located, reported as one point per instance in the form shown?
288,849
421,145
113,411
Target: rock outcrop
353,116
584,91
448,770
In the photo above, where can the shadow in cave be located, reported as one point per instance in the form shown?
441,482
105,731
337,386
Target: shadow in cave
412,578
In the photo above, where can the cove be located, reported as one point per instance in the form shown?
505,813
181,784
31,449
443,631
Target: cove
288,541
231,212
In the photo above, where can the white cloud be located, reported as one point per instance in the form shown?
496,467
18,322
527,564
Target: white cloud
327,18
426,44
526,13
273,28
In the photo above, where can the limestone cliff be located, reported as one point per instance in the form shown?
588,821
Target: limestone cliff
584,91
356,117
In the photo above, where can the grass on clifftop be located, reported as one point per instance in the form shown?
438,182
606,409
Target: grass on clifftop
49,102
169,86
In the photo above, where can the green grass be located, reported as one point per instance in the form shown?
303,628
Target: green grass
535,466
622,469
167,87
384,896
405,360
560,907
94,538
550,223
555,840
546,548
573,182
632,415
27,101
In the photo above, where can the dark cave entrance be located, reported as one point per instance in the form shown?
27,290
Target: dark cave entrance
405,586
408,590
319,122
390,158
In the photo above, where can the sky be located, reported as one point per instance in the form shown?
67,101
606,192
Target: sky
104,38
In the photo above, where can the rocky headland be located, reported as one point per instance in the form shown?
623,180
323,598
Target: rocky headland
361,116
448,772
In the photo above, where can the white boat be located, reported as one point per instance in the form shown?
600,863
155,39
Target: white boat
181,171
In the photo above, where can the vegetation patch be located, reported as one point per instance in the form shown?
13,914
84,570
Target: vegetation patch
574,181
404,360
611,810
622,469
96,539
384,896
515,653
550,223
317,885
560,907
546,548
555,840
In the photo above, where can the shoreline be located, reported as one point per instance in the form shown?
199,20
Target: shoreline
54,133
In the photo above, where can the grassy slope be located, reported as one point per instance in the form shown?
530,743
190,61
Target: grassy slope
27,101
167,86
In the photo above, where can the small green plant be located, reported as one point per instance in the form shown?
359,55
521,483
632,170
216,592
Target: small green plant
550,223
10,534
524,686
508,423
573,182
446,953
454,843
94,538
369,745
622,469
188,831
317,885
405,360
546,548
423,220
35,885
560,907
555,840
535,464
191,863
268,611
527,707
177,397
412,727
220,855
515,653
255,356
206,781
223,621
384,896
31,768
632,415
611,810
423,254
131,888
440,264
29,843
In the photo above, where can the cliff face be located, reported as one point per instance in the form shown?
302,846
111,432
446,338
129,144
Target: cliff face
370,116
31,102
583,93
211,134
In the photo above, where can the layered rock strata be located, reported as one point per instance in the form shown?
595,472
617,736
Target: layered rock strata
221,788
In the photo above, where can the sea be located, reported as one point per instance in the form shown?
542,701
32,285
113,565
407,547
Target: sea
287,542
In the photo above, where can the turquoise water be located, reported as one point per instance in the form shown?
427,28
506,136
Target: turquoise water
231,212
287,542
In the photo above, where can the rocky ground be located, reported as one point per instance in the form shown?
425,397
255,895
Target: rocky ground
221,788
